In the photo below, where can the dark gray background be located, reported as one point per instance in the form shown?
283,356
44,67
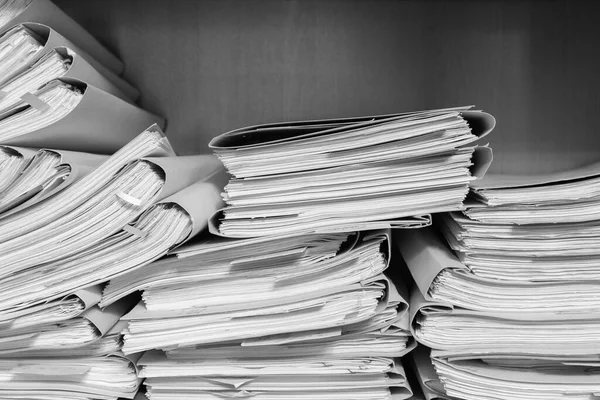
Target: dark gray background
215,65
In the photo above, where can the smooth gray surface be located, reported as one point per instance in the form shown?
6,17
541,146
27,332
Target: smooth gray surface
211,66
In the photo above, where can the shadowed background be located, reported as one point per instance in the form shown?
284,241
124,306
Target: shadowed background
211,66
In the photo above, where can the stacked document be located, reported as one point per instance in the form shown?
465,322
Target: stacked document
50,56
306,317
120,216
43,174
518,300
59,88
12,161
82,220
70,114
349,174
14,12
84,198
98,370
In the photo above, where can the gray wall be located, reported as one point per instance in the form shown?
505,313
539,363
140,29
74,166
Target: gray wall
211,66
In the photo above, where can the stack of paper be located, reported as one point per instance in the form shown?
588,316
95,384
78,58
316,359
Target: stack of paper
344,175
52,56
14,12
517,313
12,161
110,215
97,370
83,198
307,317
295,303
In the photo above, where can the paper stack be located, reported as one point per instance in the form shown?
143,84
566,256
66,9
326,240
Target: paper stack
60,243
307,316
84,197
350,174
515,312
298,306
59,88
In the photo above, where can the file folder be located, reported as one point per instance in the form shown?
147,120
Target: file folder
475,379
567,197
53,311
104,377
78,331
109,245
45,174
71,115
151,142
55,57
12,161
450,307
45,12
342,175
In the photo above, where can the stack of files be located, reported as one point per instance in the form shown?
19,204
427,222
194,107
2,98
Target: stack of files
517,300
567,197
93,371
59,88
306,317
70,114
505,378
349,174
14,12
108,216
122,215
457,312
12,162
49,56
44,173
73,322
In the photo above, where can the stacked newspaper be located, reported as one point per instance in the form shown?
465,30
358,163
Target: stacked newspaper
514,311
299,307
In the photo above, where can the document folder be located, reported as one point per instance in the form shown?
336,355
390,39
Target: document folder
342,175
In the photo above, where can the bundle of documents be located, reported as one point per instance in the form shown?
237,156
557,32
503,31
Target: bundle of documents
59,88
516,310
120,223
344,175
59,328
115,215
83,198
72,115
14,12
93,371
12,161
46,172
504,378
50,56
307,317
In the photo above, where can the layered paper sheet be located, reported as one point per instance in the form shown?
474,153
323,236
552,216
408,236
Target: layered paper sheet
342,175
45,12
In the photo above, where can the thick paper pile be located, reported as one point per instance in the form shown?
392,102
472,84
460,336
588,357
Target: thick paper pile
108,216
53,94
301,309
344,175
76,373
311,317
517,313
84,198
